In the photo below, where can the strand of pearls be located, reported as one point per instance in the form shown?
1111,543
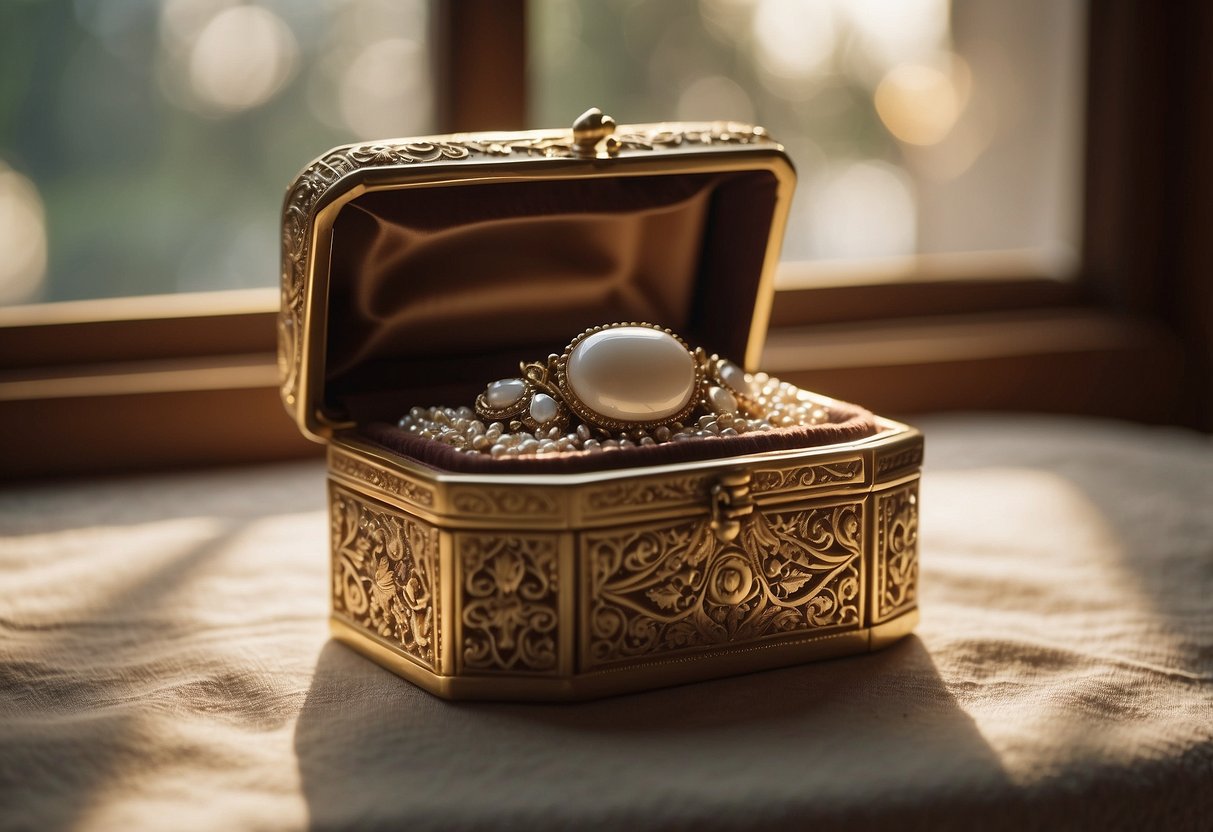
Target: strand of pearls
782,405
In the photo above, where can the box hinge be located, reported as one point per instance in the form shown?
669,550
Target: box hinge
731,501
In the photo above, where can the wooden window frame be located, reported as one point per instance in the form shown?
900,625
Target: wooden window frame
139,383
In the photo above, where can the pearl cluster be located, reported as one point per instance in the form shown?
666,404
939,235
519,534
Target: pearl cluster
781,405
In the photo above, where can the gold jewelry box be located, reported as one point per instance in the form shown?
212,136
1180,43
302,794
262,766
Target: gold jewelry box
415,271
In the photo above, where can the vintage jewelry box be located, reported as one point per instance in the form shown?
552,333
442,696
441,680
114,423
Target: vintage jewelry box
416,271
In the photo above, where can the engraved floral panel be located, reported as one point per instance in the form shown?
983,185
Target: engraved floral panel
663,589
896,550
509,612
385,573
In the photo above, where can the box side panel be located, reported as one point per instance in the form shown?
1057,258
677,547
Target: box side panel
512,614
894,584
664,591
385,575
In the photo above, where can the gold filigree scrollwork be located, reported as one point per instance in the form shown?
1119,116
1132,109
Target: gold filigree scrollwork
807,476
911,456
509,613
897,550
663,589
383,480
385,574
483,501
322,175
633,493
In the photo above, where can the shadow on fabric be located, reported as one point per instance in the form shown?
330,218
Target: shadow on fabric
869,742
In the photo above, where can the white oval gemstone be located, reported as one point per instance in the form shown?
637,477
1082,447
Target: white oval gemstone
734,378
543,408
505,392
632,374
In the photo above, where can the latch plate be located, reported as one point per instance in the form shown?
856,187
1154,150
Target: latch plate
731,503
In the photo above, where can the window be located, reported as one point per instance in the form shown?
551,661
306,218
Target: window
917,126
146,145
133,382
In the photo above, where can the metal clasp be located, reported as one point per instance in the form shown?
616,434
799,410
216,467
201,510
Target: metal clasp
592,133
731,501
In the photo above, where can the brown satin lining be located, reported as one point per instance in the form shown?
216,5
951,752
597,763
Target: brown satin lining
848,423
434,292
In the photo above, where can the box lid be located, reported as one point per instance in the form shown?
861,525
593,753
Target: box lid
414,271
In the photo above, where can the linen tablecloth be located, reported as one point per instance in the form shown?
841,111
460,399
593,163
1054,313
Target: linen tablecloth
165,664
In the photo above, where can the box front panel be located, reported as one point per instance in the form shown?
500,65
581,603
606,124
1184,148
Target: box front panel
655,592
385,575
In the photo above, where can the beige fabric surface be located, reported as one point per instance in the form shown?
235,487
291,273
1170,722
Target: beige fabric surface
164,664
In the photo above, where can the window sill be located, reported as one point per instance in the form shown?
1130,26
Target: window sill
181,408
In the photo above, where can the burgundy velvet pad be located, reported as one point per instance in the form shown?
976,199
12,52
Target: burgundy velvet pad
849,422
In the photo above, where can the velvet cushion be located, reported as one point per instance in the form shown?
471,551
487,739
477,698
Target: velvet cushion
847,423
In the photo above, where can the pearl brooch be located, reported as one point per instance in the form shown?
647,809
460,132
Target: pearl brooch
781,405
630,385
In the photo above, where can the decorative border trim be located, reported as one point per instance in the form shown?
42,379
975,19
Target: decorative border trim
842,472
372,476
909,457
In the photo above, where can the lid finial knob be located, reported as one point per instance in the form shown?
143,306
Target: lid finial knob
590,129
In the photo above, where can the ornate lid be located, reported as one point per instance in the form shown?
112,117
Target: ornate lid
415,268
